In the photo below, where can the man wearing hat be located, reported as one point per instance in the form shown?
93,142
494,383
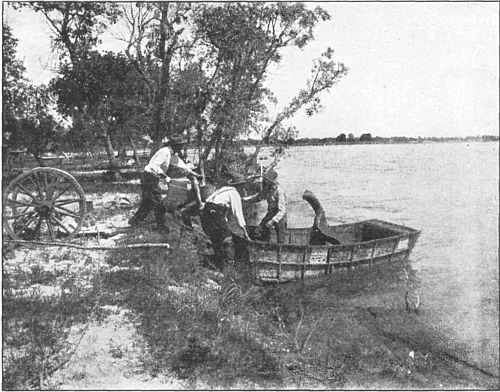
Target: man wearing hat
155,171
214,216
276,208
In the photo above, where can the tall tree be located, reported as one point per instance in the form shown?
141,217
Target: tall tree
246,39
106,93
157,45
76,30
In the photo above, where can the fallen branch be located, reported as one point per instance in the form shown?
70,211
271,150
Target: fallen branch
65,244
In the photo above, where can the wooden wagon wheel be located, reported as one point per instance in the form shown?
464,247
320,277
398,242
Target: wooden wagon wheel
43,204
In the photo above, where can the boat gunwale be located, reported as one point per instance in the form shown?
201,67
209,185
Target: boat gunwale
347,264
408,231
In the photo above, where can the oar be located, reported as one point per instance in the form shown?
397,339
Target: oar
321,230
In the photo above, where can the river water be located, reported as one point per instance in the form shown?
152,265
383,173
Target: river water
447,190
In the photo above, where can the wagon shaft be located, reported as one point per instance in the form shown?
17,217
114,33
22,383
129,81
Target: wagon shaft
43,204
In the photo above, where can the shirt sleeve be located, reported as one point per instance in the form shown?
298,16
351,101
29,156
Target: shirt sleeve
253,198
164,163
237,209
281,206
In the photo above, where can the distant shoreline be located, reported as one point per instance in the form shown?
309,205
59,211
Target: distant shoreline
379,140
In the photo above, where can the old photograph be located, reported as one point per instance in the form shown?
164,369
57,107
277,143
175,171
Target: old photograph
250,195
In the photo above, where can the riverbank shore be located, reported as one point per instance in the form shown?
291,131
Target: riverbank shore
164,319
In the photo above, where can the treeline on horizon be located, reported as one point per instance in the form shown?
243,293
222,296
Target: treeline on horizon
368,139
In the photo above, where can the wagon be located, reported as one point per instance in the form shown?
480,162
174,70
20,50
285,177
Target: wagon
43,203
323,249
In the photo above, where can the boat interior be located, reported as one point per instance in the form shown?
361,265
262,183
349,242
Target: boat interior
345,234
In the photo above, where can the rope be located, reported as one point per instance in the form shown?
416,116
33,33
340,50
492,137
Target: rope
65,244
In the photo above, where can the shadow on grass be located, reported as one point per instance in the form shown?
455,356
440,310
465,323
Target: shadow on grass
38,330
186,317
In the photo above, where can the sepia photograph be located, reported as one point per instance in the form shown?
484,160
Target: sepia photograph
250,195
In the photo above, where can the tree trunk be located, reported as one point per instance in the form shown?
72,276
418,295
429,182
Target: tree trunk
136,155
123,152
201,161
110,151
165,57
218,162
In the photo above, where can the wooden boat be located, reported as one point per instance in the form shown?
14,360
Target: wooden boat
323,249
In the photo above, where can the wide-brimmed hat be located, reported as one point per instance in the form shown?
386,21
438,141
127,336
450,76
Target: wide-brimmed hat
237,179
270,176
177,139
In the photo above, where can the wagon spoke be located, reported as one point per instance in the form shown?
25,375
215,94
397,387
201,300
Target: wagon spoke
25,191
51,230
65,211
37,186
19,202
60,223
15,216
61,193
51,186
18,227
26,210
66,201
43,181
29,220
37,228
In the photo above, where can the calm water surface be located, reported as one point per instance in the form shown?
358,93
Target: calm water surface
447,190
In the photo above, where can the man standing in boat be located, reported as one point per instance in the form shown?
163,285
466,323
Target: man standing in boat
276,208
164,161
214,218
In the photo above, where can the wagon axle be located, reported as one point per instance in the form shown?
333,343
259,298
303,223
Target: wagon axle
44,210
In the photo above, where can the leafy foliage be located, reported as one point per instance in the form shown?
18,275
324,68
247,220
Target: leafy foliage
77,26
13,78
27,120
104,94
195,69
245,40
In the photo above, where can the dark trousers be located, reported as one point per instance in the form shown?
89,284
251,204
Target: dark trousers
280,227
151,200
214,224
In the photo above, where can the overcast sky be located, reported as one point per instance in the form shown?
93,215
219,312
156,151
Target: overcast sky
415,69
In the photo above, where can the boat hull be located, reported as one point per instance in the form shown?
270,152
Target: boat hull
363,244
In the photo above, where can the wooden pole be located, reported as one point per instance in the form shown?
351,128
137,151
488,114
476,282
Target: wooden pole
65,244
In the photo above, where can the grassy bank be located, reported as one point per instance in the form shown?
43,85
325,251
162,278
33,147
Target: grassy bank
169,319
164,317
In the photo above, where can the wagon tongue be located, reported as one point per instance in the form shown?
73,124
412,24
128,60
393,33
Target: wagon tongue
320,234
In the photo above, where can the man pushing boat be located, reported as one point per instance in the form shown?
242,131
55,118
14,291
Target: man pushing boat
214,217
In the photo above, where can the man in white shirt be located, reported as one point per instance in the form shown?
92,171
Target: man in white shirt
214,219
155,171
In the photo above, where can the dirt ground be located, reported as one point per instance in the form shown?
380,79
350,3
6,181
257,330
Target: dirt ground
349,331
